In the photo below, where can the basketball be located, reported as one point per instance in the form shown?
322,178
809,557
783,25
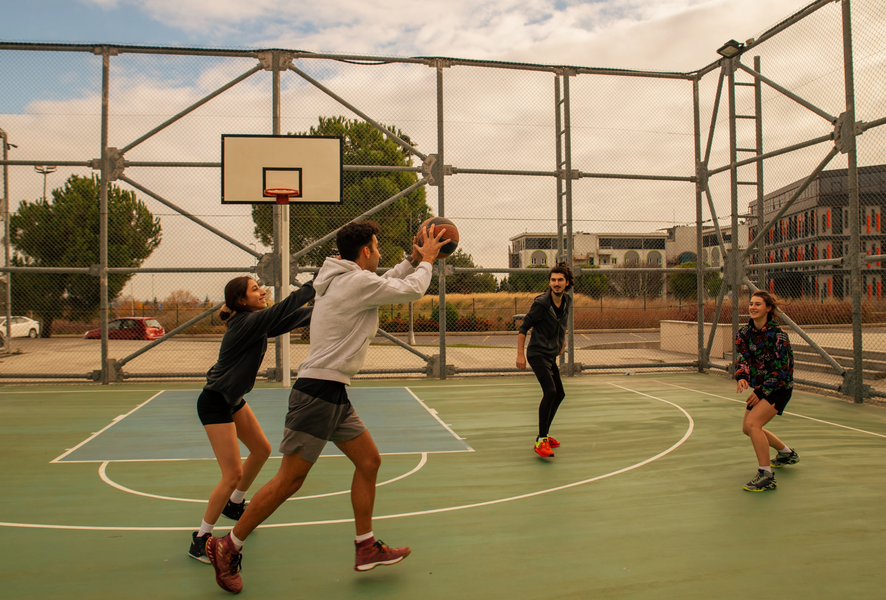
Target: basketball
451,234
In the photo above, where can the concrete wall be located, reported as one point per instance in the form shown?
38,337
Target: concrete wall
682,336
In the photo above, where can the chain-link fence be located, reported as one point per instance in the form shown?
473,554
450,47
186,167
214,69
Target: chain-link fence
672,196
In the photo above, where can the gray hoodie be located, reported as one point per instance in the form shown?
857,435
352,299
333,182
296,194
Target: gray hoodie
345,316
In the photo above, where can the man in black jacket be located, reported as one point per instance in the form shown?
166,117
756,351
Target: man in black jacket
548,318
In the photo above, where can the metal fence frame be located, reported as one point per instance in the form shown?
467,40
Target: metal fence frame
275,269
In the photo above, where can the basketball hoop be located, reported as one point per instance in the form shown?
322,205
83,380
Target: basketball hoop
283,194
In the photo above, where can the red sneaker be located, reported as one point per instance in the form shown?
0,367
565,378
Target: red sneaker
372,553
226,560
554,443
543,448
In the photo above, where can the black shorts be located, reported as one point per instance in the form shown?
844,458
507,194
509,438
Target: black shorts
212,408
779,399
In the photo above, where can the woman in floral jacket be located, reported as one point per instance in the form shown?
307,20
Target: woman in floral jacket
764,362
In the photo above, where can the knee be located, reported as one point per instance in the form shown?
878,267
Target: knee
370,464
232,476
560,396
262,450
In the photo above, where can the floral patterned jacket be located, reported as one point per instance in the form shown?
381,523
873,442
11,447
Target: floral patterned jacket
763,358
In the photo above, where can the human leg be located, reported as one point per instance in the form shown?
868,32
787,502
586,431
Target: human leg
544,371
289,478
362,451
250,433
558,398
753,427
223,439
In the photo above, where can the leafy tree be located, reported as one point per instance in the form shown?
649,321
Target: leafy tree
64,232
633,284
464,283
683,285
526,282
592,284
363,145
182,299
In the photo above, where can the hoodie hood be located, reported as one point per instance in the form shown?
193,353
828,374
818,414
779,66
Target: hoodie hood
332,268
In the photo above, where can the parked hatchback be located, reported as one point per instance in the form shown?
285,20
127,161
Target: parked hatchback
21,327
130,328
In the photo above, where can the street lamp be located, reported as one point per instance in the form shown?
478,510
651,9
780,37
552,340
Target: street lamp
45,170
730,49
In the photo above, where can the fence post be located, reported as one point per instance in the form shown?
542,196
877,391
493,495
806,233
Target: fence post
103,218
857,390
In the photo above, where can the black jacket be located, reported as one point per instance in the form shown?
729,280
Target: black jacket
245,342
548,332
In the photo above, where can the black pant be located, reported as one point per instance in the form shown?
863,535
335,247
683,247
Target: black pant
548,376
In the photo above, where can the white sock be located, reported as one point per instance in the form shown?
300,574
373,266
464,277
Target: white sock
364,537
205,528
237,543
766,468
785,450
237,497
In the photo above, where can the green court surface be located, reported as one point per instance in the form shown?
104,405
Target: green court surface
643,498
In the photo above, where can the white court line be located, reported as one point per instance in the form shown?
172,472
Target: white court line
411,514
111,424
434,414
103,474
425,387
787,413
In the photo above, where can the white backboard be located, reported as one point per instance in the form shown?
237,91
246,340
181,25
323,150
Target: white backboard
253,163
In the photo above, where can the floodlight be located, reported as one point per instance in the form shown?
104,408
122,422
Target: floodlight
730,49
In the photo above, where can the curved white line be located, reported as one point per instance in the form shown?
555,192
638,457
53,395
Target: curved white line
410,514
103,474
787,413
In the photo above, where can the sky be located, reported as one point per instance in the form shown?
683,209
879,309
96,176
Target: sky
621,33
496,119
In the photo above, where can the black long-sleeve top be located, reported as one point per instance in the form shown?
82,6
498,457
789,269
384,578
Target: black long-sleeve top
548,326
245,342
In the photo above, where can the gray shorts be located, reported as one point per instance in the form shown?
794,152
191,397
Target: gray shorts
319,412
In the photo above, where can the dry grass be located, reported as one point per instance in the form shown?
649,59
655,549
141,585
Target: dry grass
606,313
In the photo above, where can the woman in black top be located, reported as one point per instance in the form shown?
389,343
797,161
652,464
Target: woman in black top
221,407
548,318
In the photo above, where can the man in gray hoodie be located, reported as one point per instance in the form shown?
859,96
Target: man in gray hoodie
344,322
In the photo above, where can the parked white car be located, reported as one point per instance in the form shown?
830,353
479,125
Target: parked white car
21,327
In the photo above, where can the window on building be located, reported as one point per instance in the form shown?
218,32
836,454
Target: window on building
615,261
539,258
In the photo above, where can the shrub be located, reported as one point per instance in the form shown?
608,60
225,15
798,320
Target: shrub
472,323
395,325
451,316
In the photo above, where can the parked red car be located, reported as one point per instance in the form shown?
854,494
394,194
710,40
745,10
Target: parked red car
130,328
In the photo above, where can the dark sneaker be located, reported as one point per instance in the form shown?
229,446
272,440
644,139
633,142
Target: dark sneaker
371,554
234,511
198,547
543,448
553,443
764,480
781,460
226,560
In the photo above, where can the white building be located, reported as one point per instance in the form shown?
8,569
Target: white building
606,250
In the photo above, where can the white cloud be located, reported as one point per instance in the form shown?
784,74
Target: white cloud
663,34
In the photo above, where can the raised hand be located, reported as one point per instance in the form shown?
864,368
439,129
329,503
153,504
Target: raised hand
430,243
